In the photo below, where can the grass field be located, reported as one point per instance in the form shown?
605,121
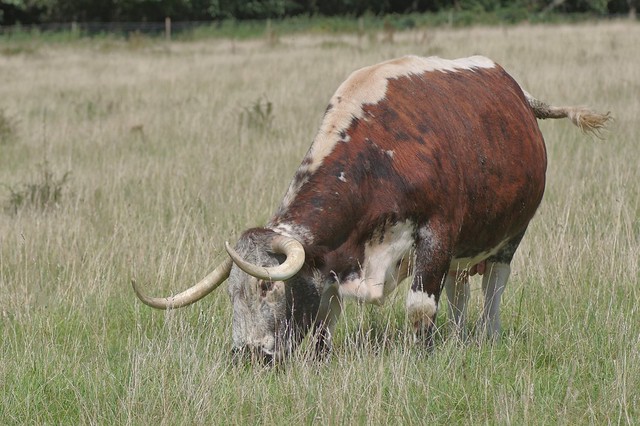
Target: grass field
122,158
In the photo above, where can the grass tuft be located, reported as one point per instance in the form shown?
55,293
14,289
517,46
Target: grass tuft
43,193
8,128
258,116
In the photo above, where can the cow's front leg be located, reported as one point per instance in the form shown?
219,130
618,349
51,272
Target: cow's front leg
431,267
328,314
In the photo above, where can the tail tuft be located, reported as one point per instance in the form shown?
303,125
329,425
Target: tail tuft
585,119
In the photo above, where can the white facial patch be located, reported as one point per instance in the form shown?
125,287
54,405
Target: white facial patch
368,86
380,274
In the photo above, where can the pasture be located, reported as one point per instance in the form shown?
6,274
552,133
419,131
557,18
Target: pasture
140,158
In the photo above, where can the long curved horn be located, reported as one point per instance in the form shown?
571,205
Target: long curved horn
191,295
280,244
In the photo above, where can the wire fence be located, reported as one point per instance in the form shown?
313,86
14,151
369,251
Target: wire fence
169,27
165,29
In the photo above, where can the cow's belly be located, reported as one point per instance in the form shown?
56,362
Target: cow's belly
388,257
465,263
387,261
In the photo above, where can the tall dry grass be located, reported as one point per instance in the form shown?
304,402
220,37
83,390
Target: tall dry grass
163,168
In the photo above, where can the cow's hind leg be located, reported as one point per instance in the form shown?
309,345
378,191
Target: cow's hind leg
494,281
457,288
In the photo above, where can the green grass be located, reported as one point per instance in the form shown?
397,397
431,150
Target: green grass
164,168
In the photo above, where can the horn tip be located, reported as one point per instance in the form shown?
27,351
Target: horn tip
134,284
228,247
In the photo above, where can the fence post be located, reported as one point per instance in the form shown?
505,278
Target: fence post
167,28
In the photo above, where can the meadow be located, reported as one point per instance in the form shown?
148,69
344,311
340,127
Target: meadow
122,158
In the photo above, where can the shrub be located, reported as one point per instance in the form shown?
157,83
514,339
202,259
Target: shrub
259,115
44,193
8,128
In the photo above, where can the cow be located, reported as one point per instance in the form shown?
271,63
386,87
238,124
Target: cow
422,167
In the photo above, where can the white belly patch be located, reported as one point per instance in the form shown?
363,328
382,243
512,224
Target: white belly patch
380,274
388,259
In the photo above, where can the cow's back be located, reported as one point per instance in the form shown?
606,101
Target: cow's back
455,141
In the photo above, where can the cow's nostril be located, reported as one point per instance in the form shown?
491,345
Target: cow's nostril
267,358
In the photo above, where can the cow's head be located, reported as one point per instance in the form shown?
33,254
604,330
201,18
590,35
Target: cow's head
273,304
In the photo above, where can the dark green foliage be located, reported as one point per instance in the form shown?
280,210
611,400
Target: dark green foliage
49,11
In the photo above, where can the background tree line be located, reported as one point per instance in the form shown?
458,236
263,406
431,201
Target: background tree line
46,11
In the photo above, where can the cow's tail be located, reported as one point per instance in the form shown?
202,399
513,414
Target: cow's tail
585,119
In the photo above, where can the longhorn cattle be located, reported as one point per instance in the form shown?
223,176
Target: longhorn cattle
422,167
